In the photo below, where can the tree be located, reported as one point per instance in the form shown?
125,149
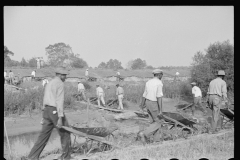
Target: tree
7,52
102,65
114,64
139,64
219,56
32,62
79,63
7,59
57,53
149,67
24,63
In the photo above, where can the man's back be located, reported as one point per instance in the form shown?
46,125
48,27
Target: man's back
197,91
217,86
153,89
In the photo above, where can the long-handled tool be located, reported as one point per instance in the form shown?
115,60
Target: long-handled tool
10,153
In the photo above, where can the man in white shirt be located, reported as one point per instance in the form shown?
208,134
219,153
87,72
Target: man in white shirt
81,90
33,74
120,94
100,95
44,82
197,98
5,75
118,76
152,98
86,74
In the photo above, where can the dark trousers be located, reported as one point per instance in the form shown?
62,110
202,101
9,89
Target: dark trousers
50,121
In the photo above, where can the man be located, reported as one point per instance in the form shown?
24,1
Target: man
100,95
217,91
118,76
197,98
44,82
120,94
53,116
86,74
152,98
38,63
5,75
81,90
11,76
33,74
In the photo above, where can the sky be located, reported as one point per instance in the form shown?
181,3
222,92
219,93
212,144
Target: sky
160,35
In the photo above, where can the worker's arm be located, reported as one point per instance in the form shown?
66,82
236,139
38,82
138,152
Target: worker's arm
142,105
59,98
224,91
159,101
159,98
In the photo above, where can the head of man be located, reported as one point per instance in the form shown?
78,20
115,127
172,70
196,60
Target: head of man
158,73
97,85
61,73
79,82
221,74
117,85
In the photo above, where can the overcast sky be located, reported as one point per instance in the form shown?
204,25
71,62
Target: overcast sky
161,35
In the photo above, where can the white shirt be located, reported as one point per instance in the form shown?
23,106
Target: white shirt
86,73
5,74
81,87
33,73
99,90
153,89
196,91
45,81
118,73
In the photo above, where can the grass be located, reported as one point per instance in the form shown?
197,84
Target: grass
32,99
214,148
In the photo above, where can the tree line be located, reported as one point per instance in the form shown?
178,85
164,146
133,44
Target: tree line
218,56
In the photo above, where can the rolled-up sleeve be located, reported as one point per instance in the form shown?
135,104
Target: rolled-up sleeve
60,98
159,91
224,89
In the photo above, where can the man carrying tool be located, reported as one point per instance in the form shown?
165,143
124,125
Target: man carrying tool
152,98
217,91
81,90
100,95
53,116
197,99
120,94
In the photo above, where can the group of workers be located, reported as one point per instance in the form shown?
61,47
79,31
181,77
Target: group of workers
152,100
53,110
10,78
101,94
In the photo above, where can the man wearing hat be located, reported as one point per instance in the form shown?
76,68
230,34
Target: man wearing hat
120,94
197,98
86,74
152,100
100,95
53,117
217,91
81,90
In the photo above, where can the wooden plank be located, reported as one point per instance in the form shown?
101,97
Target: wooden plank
186,106
99,139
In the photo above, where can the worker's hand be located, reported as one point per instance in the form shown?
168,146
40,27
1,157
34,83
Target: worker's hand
59,123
